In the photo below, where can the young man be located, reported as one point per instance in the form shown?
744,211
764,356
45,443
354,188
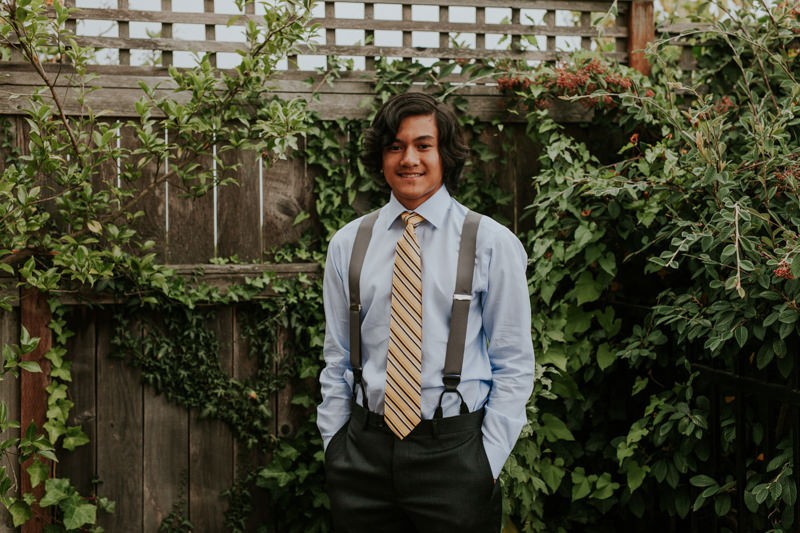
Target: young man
408,446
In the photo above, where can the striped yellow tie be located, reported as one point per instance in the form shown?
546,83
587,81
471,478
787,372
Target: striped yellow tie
404,362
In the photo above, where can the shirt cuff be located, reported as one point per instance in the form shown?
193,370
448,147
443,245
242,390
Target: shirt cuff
497,458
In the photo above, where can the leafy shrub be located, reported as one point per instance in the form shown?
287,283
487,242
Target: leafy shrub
658,268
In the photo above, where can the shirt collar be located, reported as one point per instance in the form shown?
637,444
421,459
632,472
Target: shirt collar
433,210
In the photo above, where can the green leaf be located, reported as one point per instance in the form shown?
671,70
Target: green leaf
20,512
554,356
38,472
583,236
79,515
682,503
722,504
301,216
605,356
608,263
55,490
605,487
636,474
741,334
552,475
580,485
94,226
30,366
27,343
750,502
553,429
74,437
698,503
587,289
702,480
639,385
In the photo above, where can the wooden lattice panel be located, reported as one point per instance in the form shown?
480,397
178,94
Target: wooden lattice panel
165,32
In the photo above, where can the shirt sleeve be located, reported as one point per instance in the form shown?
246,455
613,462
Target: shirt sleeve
507,323
336,377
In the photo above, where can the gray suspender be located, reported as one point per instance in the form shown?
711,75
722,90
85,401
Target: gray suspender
354,281
462,297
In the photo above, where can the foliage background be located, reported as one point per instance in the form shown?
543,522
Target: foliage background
662,237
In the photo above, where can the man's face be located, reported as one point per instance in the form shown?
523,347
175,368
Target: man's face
412,165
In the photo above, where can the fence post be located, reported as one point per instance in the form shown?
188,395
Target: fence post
641,32
35,317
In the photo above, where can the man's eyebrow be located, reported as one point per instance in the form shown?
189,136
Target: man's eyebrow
420,138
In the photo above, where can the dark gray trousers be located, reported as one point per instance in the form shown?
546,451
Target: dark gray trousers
436,480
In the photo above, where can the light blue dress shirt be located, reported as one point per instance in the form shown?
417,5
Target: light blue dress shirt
497,371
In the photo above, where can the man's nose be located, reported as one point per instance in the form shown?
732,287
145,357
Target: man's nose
409,157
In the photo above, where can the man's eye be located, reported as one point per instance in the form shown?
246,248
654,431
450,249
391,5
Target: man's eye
424,146
394,148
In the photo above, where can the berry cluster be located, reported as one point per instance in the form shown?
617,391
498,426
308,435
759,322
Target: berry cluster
511,84
788,174
724,105
783,271
579,79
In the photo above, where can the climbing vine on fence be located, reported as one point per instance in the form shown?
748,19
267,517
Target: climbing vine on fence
63,230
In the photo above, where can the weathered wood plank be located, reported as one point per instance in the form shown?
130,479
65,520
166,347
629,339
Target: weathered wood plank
345,99
462,27
642,32
405,50
353,23
166,32
9,396
521,165
287,193
165,462
153,224
170,17
443,53
211,446
285,413
190,234
566,5
123,32
239,210
131,15
219,276
119,435
80,465
35,317
157,43
245,367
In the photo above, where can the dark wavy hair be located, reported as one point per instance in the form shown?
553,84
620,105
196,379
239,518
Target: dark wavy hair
383,131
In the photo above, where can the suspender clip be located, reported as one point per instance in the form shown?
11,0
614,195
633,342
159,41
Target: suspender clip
451,382
459,297
355,307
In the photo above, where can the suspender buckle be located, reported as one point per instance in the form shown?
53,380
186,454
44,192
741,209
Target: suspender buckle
355,307
460,297
451,382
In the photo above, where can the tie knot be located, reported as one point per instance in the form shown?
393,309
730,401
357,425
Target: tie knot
411,218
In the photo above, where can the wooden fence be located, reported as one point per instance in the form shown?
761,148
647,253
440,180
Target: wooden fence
153,33
145,453
150,456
